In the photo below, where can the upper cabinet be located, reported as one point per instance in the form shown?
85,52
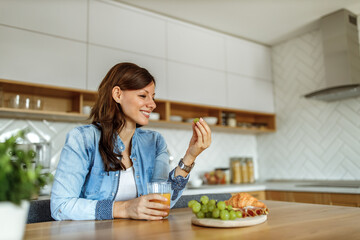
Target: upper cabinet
101,59
191,84
60,18
250,94
193,45
112,25
248,58
38,58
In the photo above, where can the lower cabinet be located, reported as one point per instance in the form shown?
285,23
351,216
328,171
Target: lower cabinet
340,199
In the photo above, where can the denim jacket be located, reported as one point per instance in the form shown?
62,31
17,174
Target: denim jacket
83,190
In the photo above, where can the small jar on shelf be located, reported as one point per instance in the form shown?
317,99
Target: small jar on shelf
231,120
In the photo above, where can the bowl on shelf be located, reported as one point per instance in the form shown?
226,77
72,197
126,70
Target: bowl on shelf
211,120
154,116
176,118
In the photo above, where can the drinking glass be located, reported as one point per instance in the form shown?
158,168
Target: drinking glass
162,188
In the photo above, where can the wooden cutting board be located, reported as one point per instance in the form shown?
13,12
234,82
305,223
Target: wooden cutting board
239,222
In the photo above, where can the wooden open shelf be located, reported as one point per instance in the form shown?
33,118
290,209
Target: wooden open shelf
66,104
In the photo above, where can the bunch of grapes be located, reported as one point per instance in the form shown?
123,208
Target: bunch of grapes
212,209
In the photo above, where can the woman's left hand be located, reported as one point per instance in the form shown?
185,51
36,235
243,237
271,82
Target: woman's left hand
200,140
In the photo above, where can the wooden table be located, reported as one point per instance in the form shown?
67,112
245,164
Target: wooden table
285,221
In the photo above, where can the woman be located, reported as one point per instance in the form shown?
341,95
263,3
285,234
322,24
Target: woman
104,167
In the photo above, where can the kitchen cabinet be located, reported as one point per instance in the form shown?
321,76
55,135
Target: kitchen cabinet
39,58
342,199
67,19
250,93
112,25
101,59
66,104
248,59
194,45
196,85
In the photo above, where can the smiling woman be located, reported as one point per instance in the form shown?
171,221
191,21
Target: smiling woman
104,167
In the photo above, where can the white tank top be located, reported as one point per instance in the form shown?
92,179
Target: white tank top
127,186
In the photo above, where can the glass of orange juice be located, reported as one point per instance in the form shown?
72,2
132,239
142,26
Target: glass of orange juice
162,188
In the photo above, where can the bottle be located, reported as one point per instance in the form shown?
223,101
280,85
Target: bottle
235,171
244,171
250,170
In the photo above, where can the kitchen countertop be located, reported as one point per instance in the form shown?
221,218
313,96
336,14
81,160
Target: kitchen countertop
349,187
286,220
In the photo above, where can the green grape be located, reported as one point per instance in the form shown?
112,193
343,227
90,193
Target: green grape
229,207
191,202
210,207
208,215
204,208
196,207
204,199
232,215
196,120
224,215
212,202
200,215
216,213
221,205
238,214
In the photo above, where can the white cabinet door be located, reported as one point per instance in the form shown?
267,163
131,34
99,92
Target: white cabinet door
194,45
101,59
58,17
250,94
196,85
248,58
112,25
37,58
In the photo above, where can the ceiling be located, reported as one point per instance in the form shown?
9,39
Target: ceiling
264,21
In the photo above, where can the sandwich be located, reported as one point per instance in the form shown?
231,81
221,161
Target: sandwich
248,205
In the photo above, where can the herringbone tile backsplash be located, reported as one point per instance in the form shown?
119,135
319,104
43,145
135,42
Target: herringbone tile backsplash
314,139
224,145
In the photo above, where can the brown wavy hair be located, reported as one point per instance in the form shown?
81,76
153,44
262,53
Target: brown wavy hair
108,116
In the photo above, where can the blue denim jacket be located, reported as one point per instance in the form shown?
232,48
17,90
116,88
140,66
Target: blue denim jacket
82,190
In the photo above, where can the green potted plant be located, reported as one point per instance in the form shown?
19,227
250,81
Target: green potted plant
20,181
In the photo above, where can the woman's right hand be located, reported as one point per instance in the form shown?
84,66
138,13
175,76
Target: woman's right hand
142,208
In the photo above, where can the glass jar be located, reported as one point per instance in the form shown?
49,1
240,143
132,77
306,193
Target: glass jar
224,119
244,171
235,170
231,120
250,170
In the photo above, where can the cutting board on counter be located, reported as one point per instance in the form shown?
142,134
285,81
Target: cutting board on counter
239,222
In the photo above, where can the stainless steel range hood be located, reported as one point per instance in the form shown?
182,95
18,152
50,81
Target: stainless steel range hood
341,57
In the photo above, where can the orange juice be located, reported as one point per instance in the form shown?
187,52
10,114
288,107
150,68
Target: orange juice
168,196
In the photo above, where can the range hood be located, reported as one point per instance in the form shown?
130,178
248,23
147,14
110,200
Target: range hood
341,57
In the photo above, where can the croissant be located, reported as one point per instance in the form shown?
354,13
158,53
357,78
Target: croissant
242,200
